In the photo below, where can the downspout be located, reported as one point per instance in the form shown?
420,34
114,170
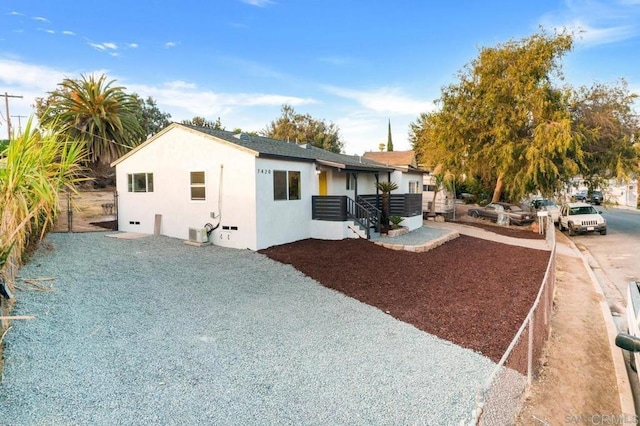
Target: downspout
209,227
355,178
377,176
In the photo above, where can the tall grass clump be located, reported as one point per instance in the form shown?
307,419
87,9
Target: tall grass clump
34,168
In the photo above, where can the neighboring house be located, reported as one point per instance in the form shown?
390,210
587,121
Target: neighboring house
406,162
406,172
616,192
256,192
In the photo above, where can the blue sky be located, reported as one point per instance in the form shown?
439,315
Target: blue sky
354,63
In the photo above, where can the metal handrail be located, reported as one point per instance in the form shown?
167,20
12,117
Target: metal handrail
373,210
361,215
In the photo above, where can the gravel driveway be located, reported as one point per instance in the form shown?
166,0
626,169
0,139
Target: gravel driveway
154,331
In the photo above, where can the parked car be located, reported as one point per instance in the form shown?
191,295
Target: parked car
491,211
595,197
578,218
580,196
549,205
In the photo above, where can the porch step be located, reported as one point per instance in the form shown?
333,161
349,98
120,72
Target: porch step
357,229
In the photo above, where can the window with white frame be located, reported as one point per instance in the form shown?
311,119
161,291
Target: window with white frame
140,182
286,185
414,187
198,188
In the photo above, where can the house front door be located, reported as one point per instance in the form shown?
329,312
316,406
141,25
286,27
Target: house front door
322,181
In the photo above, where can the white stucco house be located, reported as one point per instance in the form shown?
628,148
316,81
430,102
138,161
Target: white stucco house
251,192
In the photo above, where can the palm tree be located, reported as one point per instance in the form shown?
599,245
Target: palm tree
93,111
386,188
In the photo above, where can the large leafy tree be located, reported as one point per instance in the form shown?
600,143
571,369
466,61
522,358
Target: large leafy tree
294,127
505,123
96,112
609,131
150,117
203,122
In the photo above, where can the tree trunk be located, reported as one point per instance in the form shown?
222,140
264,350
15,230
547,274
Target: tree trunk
385,209
432,210
498,190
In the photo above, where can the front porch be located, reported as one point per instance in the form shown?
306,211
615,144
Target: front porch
364,213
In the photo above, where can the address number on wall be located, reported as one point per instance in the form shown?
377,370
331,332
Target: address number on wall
264,171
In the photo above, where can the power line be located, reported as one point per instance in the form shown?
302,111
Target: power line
19,123
6,103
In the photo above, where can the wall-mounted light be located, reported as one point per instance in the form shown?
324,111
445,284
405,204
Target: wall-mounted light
318,171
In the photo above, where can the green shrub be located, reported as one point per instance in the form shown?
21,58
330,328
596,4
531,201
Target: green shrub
395,221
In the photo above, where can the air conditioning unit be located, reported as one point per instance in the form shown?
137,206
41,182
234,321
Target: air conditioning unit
198,235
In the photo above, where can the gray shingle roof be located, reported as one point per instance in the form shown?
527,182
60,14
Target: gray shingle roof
267,147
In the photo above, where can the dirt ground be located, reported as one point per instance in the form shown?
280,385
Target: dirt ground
577,379
436,291
577,382
85,209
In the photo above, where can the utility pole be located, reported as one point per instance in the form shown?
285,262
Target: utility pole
19,123
6,103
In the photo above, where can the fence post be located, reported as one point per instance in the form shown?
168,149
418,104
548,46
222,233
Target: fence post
69,213
530,350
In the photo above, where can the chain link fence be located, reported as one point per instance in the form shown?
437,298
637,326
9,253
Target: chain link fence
500,398
87,211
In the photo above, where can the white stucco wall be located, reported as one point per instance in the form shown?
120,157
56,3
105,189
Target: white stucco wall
171,157
413,222
403,179
239,193
283,221
325,230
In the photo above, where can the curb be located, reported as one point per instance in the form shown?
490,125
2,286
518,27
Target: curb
627,405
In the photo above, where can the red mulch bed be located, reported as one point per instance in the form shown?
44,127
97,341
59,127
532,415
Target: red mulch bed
472,292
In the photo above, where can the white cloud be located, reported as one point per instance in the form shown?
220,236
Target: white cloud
170,44
336,60
593,36
97,46
14,13
40,18
69,33
254,68
133,45
384,100
258,3
596,22
103,46
189,97
46,31
26,80
179,85
30,77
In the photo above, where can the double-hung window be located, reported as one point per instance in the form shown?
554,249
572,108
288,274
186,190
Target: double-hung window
140,182
197,185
